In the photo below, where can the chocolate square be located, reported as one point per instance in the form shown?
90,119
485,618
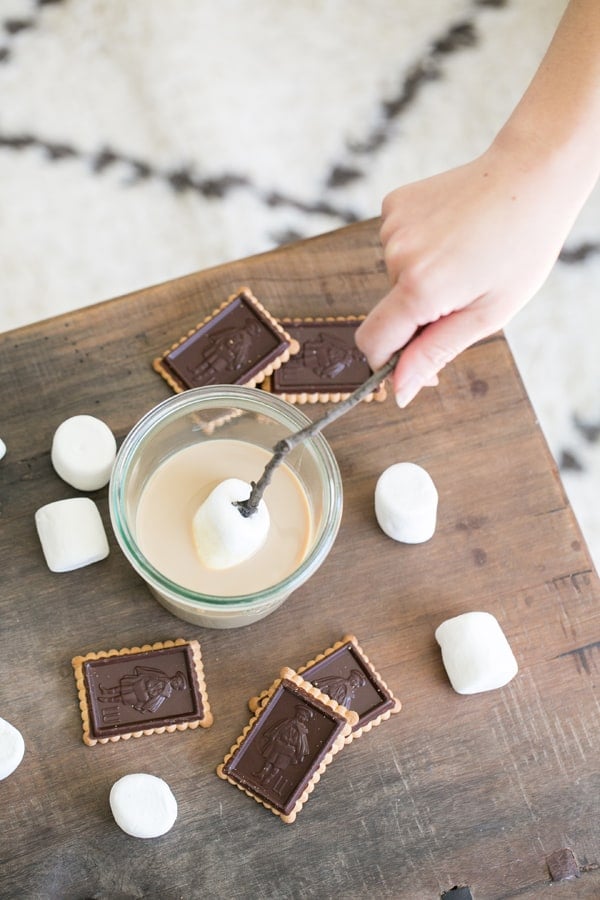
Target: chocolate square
141,691
239,343
328,366
287,746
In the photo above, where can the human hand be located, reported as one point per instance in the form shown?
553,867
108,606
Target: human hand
465,250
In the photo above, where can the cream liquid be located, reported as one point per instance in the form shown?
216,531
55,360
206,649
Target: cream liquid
178,487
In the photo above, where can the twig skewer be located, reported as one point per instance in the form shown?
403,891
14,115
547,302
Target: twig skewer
283,447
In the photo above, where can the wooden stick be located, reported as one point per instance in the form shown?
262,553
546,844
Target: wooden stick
283,447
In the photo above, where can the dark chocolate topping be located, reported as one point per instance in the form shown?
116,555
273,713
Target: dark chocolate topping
328,360
139,691
234,346
348,680
285,747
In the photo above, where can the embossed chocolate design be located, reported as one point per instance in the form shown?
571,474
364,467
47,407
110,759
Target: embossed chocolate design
234,346
345,676
328,359
284,747
285,744
143,691
340,688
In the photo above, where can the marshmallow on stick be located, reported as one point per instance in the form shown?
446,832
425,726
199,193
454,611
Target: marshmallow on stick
222,535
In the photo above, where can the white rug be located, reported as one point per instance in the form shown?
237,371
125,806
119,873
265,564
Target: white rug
144,140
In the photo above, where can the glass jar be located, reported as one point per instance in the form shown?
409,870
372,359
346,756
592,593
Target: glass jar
214,413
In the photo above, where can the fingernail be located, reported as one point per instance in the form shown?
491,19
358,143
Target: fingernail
407,391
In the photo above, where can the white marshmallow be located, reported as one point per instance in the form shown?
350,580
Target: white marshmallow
475,652
12,748
143,805
2,449
406,502
83,452
222,535
71,533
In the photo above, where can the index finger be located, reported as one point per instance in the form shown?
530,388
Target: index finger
384,331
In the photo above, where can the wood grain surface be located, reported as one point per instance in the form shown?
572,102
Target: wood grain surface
453,790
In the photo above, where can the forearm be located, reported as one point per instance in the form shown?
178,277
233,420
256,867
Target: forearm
556,125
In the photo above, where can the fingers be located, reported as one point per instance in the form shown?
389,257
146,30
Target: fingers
437,345
427,349
386,329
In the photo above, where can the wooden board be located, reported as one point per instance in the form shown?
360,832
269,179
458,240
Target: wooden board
453,790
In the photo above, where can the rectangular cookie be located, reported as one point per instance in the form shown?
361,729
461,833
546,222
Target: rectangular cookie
141,690
286,747
328,366
240,342
345,674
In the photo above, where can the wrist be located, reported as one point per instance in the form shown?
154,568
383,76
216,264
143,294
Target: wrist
564,163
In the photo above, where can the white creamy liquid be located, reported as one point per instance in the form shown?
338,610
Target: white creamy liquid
180,484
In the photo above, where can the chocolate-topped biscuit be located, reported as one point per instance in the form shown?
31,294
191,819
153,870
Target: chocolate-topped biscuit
328,366
345,674
143,690
286,747
239,343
